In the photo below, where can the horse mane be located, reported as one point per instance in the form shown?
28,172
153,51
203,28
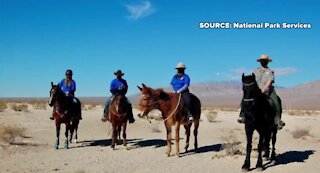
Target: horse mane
161,94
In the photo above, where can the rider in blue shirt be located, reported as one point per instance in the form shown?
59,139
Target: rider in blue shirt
180,84
68,87
117,86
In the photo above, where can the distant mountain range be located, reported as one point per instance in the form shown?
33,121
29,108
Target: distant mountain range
229,94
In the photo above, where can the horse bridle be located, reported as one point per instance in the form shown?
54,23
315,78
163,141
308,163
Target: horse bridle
250,99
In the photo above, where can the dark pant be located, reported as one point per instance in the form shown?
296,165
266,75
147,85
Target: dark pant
187,100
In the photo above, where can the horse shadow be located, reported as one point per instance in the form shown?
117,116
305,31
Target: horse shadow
101,143
156,143
291,157
204,149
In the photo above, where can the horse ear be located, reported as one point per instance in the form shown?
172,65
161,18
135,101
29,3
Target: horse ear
143,85
139,88
242,76
51,84
253,75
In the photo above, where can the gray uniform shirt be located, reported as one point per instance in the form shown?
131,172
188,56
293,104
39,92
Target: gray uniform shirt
262,76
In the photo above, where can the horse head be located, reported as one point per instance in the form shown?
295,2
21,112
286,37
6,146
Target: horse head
55,94
250,93
149,99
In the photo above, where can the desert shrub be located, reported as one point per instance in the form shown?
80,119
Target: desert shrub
9,133
231,144
20,107
211,115
155,115
38,105
301,112
300,132
3,106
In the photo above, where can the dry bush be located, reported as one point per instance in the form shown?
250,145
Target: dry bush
301,112
79,171
20,107
231,144
300,132
155,115
90,106
211,115
39,105
3,106
9,133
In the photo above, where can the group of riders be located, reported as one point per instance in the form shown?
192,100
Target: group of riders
180,84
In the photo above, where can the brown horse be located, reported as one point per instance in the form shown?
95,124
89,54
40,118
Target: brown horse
172,108
118,118
65,111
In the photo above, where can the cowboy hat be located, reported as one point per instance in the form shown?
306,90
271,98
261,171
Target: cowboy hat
180,65
264,57
119,72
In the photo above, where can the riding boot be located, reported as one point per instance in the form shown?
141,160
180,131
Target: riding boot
241,117
130,115
105,116
51,117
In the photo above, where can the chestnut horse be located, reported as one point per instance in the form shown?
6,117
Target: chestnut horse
171,106
65,111
118,118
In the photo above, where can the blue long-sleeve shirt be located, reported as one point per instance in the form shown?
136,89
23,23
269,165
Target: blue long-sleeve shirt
66,88
118,85
179,83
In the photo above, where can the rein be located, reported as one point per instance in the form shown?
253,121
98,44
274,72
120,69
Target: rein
174,109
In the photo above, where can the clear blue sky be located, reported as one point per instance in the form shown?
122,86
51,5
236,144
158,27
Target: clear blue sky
40,39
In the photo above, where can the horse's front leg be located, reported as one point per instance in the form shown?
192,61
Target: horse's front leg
177,138
56,145
124,135
260,147
66,143
274,140
71,132
114,135
187,127
168,128
249,133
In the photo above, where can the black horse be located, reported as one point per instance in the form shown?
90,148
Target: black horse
65,111
259,115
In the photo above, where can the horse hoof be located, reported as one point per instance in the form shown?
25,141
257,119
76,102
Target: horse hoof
76,141
260,169
56,146
66,146
178,155
245,168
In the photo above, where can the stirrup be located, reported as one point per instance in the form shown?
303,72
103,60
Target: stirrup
240,120
104,119
281,124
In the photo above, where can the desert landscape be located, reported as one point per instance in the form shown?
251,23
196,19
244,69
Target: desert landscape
27,138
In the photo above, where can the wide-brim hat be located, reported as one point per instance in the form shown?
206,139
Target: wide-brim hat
180,66
264,57
118,72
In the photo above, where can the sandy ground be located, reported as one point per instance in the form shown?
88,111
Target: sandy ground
147,146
